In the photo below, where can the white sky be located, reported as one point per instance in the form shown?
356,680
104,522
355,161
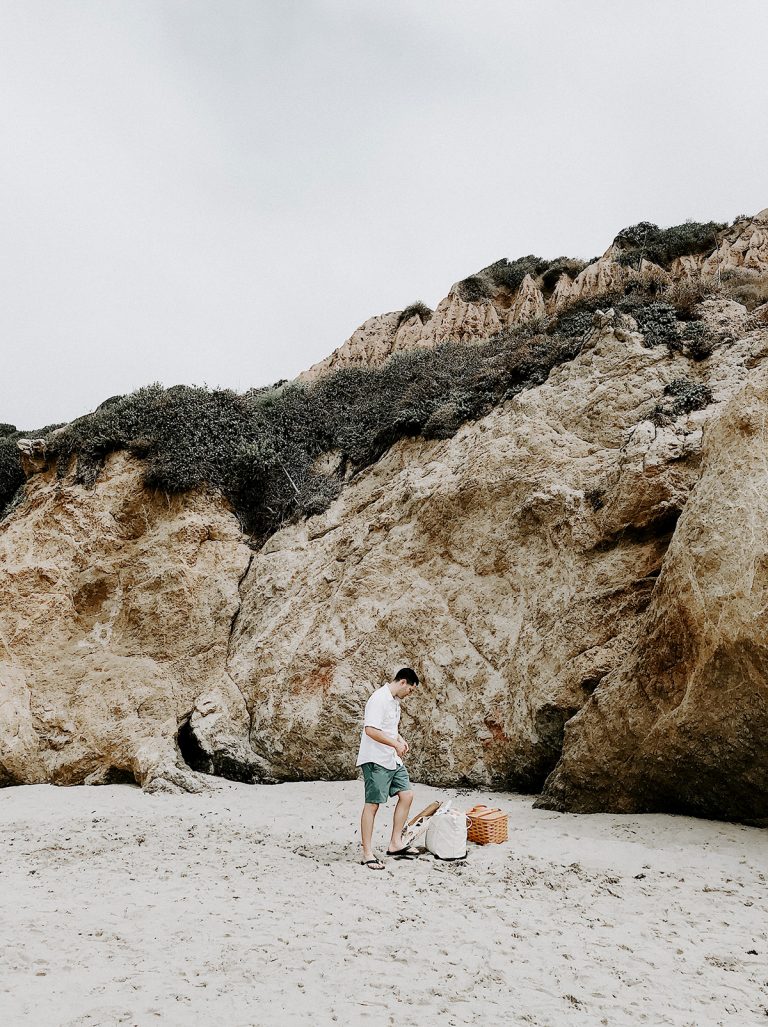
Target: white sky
220,191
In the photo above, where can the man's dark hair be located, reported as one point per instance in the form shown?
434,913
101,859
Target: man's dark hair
407,674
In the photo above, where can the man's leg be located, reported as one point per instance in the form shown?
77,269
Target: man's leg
402,809
370,809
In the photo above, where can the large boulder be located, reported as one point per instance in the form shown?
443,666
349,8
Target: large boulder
682,723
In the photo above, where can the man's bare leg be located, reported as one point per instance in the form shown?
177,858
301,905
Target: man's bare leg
402,809
370,809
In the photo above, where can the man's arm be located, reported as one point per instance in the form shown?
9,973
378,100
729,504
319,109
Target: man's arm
395,743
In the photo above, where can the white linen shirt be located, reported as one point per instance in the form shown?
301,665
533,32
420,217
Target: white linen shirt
382,711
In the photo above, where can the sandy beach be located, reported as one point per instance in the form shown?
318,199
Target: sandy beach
247,906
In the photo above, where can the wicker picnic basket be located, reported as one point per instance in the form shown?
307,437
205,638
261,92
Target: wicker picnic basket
486,825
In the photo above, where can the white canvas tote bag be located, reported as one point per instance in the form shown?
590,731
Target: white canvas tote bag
447,834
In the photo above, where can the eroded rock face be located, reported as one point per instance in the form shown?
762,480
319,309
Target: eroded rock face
578,578
511,565
745,246
380,338
115,615
743,250
682,723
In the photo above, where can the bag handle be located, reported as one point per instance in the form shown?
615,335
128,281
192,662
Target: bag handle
428,811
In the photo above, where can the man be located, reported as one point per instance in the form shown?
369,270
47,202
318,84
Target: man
384,773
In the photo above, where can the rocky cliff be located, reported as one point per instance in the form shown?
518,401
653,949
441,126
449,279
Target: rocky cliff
486,304
579,576
116,607
682,723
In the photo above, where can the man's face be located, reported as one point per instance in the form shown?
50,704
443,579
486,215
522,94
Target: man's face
406,688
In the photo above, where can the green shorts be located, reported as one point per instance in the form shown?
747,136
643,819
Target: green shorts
381,783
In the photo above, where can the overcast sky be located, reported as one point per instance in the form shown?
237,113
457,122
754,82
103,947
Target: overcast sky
219,191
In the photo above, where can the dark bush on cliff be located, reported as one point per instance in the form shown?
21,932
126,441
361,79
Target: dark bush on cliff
185,435
557,267
285,451
688,395
672,321
503,275
507,275
663,245
262,448
417,309
11,474
681,396
658,323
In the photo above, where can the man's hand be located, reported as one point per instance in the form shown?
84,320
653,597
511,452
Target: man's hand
398,744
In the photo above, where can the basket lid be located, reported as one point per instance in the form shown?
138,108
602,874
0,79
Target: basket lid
487,815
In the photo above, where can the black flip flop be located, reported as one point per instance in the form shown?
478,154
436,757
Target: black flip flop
370,862
407,853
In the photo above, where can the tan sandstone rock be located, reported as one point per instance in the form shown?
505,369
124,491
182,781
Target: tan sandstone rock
372,343
743,250
115,614
569,552
682,723
529,303
561,295
510,564
745,245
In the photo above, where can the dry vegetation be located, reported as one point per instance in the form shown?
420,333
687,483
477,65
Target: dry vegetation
261,448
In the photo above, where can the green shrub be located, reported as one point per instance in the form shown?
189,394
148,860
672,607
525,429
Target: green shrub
682,396
444,422
11,474
503,275
576,321
576,318
696,341
557,267
415,309
110,402
637,236
661,322
688,395
658,323
185,435
260,449
663,245
507,276
686,295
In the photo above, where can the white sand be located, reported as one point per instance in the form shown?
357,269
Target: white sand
248,907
